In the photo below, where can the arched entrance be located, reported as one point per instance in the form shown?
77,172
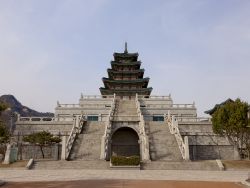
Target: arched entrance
125,142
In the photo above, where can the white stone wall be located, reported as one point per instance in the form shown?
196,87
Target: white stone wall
26,127
161,106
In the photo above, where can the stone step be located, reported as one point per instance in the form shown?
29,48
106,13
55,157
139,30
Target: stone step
87,136
159,133
162,144
181,165
87,145
165,153
95,123
78,164
93,129
155,123
120,118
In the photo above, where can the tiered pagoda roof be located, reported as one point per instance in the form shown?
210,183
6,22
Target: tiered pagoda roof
125,78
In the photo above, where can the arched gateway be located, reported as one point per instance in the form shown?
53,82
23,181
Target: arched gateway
125,142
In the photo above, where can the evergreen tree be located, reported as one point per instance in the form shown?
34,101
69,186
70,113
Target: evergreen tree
231,120
4,134
42,139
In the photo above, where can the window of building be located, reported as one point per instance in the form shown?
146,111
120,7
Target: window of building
158,118
92,118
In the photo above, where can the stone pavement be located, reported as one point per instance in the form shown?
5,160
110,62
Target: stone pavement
124,184
70,175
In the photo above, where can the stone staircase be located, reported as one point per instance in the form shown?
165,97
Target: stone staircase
78,164
87,145
125,110
162,144
180,165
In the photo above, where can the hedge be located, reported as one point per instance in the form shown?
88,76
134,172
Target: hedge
125,161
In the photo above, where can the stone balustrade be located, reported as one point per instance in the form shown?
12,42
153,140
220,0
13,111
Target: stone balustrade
167,97
172,123
97,96
68,105
164,106
143,137
107,133
35,119
183,105
76,129
193,119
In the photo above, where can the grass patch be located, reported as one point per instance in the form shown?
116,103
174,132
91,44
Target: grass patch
18,164
125,161
236,164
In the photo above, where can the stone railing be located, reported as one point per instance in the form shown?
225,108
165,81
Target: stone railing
183,105
76,129
68,118
96,96
68,105
94,105
168,106
172,123
143,135
168,97
19,118
107,132
193,119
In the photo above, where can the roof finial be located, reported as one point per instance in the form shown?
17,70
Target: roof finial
126,48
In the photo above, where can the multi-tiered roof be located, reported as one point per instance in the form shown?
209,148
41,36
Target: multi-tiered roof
125,78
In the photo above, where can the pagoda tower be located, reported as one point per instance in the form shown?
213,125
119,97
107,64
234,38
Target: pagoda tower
125,78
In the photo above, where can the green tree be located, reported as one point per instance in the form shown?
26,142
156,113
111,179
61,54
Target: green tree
2,107
4,133
42,139
230,120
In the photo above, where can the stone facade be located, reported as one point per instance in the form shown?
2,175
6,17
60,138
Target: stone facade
203,143
153,126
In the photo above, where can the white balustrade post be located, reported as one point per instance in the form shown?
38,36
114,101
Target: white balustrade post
102,157
186,147
63,154
18,117
7,155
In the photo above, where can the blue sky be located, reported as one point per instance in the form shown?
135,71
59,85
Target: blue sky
197,50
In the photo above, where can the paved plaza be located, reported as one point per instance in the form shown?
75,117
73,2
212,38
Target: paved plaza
70,175
124,184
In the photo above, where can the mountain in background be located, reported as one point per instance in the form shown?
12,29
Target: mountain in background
14,106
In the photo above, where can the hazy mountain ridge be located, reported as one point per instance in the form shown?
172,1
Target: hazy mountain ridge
14,106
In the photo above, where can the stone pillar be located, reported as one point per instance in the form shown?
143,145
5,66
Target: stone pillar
186,157
144,148
63,154
236,153
147,156
7,155
102,156
56,151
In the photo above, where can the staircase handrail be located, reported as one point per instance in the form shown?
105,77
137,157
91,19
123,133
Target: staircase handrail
108,126
76,129
172,123
142,129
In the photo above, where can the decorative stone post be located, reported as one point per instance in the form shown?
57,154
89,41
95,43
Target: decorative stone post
236,153
7,155
63,154
186,148
102,156
56,150
146,149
